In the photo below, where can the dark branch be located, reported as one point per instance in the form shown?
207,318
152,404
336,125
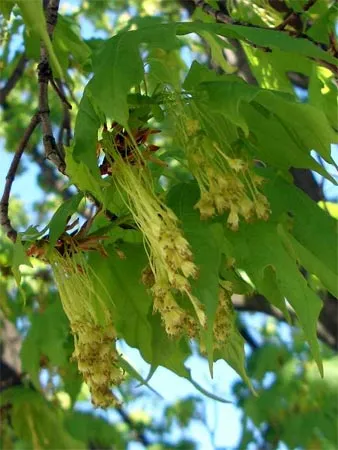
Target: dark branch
8,376
218,15
304,180
4,218
293,18
248,338
258,303
52,151
280,6
59,91
132,426
66,120
13,79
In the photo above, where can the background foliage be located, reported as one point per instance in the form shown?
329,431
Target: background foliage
222,113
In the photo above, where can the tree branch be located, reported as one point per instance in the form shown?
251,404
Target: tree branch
220,16
13,79
66,120
132,426
52,151
4,218
60,93
293,18
258,303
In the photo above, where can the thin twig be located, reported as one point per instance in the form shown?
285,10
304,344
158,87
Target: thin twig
66,121
128,421
258,303
13,79
71,94
60,93
248,337
52,151
294,15
219,16
4,218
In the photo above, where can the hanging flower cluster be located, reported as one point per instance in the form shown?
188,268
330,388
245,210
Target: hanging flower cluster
170,258
226,180
91,324
225,316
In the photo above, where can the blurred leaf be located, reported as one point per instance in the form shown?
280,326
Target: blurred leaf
37,423
96,431
66,41
6,7
233,353
46,337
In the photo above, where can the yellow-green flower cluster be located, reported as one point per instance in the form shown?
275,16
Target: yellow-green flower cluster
92,326
170,257
97,360
226,180
225,317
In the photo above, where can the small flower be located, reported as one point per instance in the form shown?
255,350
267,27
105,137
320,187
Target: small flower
233,218
189,269
205,205
238,165
262,207
192,126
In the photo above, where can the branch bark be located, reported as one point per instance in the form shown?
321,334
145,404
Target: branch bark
4,202
293,18
52,151
12,80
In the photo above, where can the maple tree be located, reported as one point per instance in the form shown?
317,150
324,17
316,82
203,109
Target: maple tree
181,159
